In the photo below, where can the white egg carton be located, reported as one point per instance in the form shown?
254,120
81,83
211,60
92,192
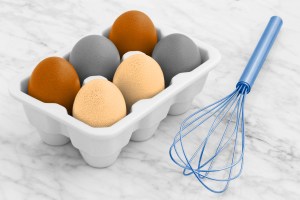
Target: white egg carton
100,147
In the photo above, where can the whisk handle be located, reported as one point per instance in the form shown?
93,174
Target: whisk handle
260,53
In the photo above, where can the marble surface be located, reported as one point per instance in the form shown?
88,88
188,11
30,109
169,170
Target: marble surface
33,30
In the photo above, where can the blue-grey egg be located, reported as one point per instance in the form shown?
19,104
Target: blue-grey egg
176,53
95,55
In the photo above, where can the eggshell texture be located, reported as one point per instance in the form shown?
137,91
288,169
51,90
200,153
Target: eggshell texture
54,80
133,31
99,103
176,53
139,77
95,55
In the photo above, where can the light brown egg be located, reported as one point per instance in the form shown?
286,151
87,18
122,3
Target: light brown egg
54,80
139,77
99,103
133,31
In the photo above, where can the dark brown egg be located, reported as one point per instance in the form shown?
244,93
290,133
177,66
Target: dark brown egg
54,80
133,31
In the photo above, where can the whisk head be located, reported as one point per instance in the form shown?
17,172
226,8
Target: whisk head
210,142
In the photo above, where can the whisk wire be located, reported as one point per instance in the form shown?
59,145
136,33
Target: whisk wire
220,109
176,139
236,109
183,126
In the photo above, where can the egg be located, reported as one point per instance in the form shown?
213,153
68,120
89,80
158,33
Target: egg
95,55
133,31
176,53
99,103
139,77
54,80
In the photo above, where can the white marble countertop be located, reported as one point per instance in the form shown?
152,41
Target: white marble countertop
33,30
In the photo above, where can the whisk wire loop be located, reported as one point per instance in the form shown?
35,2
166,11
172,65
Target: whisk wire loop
205,167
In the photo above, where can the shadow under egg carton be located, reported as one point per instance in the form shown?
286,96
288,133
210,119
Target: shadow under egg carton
100,147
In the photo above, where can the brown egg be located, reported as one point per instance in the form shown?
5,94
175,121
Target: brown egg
54,80
139,77
99,103
133,31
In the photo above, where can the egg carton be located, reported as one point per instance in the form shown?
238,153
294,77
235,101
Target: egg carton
100,147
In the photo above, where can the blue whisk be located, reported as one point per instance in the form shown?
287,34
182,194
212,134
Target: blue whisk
220,155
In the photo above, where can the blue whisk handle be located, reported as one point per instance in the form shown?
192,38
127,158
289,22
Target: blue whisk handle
260,53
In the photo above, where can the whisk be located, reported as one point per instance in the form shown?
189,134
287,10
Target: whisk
217,155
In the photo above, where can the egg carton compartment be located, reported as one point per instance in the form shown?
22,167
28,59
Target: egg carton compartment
100,147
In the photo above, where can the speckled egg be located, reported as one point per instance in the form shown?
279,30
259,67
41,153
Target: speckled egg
139,77
99,103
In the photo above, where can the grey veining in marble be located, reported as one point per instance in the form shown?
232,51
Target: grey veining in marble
33,30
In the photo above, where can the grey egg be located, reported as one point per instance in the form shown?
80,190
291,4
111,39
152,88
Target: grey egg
95,55
176,53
